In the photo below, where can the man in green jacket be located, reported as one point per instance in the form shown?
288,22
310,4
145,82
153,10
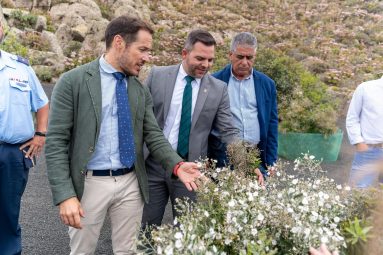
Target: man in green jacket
100,118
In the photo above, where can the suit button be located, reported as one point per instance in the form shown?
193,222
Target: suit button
91,149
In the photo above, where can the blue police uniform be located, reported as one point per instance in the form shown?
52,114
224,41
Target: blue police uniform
20,94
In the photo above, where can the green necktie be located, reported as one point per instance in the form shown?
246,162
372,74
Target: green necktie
185,123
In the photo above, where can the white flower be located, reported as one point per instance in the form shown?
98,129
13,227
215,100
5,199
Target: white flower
307,232
159,250
305,201
260,217
254,231
206,213
339,186
312,157
336,219
295,230
231,203
295,181
178,244
169,250
347,188
178,235
324,239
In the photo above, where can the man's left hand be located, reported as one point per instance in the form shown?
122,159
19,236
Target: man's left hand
35,146
188,173
261,180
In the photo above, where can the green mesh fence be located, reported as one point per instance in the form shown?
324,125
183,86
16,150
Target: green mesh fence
292,145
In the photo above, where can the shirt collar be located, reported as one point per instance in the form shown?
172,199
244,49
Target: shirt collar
183,74
6,60
247,78
105,66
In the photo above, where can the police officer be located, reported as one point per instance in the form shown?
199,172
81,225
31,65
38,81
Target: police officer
20,93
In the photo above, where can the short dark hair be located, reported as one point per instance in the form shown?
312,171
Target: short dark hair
199,35
127,27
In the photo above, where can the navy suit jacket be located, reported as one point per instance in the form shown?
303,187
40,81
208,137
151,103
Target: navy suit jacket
266,95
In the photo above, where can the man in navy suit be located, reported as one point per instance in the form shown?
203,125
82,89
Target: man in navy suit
253,103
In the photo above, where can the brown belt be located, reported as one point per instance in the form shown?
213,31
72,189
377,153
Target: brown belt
376,145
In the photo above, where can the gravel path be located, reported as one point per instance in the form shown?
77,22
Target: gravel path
43,232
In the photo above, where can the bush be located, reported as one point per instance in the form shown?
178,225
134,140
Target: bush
33,40
22,20
44,74
304,105
282,69
77,59
12,44
234,215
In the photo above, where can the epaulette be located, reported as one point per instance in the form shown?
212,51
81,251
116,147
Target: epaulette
22,60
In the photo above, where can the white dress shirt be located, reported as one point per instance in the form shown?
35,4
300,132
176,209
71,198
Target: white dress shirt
365,115
172,123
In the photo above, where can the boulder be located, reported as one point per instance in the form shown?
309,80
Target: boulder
80,20
23,4
52,41
83,10
79,32
2,19
132,7
41,23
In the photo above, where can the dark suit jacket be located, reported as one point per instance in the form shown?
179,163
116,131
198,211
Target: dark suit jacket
265,94
74,127
212,108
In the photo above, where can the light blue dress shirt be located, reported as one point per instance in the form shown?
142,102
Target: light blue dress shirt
20,94
243,105
106,154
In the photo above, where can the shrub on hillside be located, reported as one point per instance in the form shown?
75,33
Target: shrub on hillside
304,103
12,44
23,20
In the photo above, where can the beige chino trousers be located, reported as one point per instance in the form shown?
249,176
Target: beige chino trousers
118,196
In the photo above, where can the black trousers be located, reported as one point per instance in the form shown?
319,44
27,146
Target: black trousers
14,169
161,188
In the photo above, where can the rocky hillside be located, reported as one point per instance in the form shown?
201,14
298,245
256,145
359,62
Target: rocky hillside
339,40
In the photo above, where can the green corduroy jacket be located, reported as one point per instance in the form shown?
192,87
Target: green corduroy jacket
74,127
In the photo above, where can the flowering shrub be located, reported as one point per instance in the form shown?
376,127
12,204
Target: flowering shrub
234,215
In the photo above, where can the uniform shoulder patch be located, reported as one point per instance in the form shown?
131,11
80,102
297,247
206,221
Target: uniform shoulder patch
22,60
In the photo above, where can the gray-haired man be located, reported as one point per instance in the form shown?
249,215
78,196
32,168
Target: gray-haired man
253,103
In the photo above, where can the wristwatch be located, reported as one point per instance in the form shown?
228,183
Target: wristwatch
40,133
